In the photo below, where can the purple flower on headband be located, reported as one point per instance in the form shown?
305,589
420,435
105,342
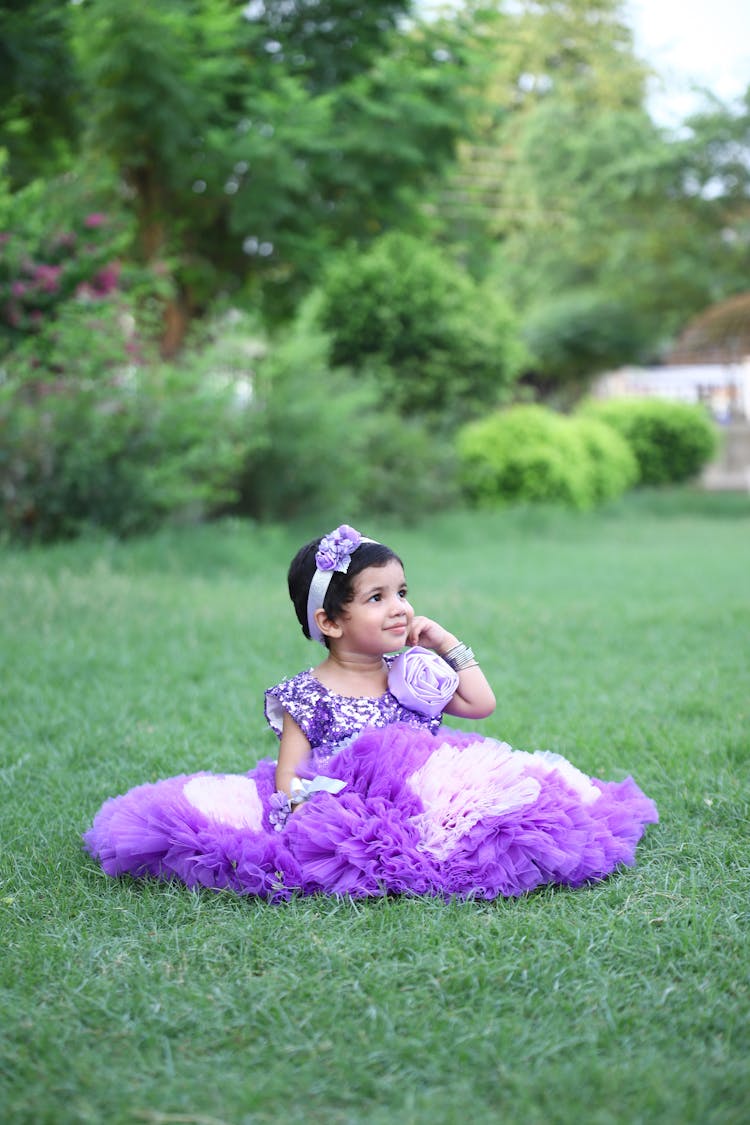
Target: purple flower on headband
335,550
422,681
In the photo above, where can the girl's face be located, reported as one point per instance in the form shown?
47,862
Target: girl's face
377,619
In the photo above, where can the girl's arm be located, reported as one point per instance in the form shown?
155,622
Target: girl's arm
474,698
293,751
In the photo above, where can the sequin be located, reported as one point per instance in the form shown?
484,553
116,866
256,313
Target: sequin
328,719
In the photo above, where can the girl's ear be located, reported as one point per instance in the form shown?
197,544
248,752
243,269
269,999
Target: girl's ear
327,627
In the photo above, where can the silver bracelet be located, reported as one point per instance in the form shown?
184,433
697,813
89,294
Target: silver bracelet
460,657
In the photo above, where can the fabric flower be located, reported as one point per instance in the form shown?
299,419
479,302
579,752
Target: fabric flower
335,550
280,810
422,681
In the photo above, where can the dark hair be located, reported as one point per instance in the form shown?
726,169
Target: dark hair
341,589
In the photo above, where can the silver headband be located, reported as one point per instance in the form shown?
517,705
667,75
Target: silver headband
334,553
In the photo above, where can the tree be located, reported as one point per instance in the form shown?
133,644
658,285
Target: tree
38,89
604,230
250,144
326,42
441,346
656,225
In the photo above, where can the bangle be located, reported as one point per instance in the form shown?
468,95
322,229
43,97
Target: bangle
460,657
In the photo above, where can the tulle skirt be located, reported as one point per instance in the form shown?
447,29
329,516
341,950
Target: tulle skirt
419,814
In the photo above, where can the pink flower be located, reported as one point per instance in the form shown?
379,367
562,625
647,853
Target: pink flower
106,280
94,220
47,277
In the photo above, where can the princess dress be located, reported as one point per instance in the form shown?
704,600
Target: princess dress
396,805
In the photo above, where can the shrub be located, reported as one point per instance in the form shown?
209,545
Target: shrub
671,441
90,438
439,344
525,453
328,447
613,466
409,474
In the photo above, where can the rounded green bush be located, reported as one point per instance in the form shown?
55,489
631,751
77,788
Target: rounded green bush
671,441
408,312
525,453
613,466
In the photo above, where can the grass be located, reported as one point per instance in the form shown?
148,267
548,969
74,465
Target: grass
618,638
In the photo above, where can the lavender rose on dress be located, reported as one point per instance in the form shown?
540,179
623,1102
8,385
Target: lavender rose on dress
421,680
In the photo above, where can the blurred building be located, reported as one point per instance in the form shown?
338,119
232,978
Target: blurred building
709,363
723,387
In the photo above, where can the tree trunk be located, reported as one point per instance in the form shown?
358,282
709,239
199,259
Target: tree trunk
153,241
176,322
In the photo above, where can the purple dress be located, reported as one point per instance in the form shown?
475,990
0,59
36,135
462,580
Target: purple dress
422,810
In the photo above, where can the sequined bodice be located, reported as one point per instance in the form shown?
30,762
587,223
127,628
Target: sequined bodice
328,719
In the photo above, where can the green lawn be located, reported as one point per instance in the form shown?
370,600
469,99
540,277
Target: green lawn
620,639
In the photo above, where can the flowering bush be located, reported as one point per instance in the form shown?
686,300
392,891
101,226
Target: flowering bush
54,249
94,430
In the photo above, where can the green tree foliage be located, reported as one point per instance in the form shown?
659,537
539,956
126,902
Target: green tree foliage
528,56
39,101
671,441
254,137
622,210
714,159
326,42
441,345
587,214
575,334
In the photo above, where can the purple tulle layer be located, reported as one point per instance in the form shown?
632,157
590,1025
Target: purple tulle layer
420,814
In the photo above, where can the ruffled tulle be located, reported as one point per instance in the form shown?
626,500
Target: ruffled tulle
421,814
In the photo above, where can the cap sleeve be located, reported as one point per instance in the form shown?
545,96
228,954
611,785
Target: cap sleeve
292,695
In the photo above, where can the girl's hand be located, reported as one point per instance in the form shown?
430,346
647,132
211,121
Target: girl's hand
429,634
474,698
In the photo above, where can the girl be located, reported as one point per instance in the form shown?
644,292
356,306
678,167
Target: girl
369,796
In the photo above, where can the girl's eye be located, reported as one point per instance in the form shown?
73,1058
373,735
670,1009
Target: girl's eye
403,594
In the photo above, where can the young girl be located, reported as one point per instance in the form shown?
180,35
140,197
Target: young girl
369,796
